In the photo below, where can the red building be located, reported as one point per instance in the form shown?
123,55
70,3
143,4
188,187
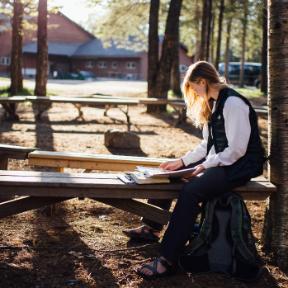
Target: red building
72,49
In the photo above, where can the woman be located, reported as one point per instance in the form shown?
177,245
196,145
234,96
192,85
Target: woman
229,155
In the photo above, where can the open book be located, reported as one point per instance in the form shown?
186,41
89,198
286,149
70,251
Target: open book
152,175
161,173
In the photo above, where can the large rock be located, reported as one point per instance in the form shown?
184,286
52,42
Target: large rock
121,139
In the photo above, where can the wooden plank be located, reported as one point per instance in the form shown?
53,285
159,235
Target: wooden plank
15,152
91,161
24,204
95,157
83,100
100,165
98,179
86,192
100,192
150,212
102,186
12,99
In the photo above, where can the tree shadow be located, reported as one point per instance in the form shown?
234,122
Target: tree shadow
16,277
62,259
186,126
127,152
6,126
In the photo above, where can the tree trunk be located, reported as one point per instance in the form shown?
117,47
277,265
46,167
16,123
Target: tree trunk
204,28
42,50
263,78
153,46
227,49
153,51
16,56
212,58
209,29
277,216
175,72
169,51
198,14
175,78
219,36
243,42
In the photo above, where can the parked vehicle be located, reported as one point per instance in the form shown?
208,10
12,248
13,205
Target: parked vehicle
252,73
80,75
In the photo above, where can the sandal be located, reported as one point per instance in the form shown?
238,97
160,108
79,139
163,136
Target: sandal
146,234
170,269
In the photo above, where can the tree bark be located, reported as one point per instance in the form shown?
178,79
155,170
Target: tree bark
204,28
16,56
219,34
227,49
198,15
277,216
209,29
263,78
153,47
243,42
175,72
169,52
42,50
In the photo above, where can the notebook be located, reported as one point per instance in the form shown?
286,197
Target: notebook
153,172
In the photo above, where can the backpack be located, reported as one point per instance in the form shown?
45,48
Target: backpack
225,241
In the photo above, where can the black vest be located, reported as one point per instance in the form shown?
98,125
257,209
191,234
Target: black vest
251,164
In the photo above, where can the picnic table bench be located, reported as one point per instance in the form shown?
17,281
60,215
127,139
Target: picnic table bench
12,152
37,189
103,162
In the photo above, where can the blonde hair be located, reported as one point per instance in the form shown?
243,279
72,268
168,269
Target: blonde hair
199,108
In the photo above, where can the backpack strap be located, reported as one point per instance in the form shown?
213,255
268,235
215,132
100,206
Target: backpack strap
236,229
206,228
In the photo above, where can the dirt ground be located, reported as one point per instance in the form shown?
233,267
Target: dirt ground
81,244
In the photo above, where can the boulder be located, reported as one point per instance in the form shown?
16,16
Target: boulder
121,139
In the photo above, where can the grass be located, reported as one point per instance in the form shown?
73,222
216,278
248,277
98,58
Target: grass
250,92
247,92
4,92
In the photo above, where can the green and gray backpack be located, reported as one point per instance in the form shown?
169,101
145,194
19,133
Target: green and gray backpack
225,242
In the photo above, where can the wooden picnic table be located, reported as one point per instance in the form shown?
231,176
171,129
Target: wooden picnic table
42,188
122,103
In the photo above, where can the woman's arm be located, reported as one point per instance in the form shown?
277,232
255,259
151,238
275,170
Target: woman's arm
199,152
190,157
238,130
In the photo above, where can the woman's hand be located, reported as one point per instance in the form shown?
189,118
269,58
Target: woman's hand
172,165
198,169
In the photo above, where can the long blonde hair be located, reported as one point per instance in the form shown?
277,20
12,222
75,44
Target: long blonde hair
199,108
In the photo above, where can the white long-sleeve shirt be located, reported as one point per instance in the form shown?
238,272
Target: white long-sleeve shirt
238,130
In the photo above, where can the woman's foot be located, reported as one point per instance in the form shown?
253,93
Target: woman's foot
160,267
143,234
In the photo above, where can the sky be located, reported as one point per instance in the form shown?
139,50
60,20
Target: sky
77,10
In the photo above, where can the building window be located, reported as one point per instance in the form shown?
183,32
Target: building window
102,64
6,61
131,65
183,68
114,65
89,64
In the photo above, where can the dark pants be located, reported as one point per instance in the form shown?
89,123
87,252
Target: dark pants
213,182
164,204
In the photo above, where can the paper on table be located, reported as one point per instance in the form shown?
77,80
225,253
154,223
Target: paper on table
161,173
